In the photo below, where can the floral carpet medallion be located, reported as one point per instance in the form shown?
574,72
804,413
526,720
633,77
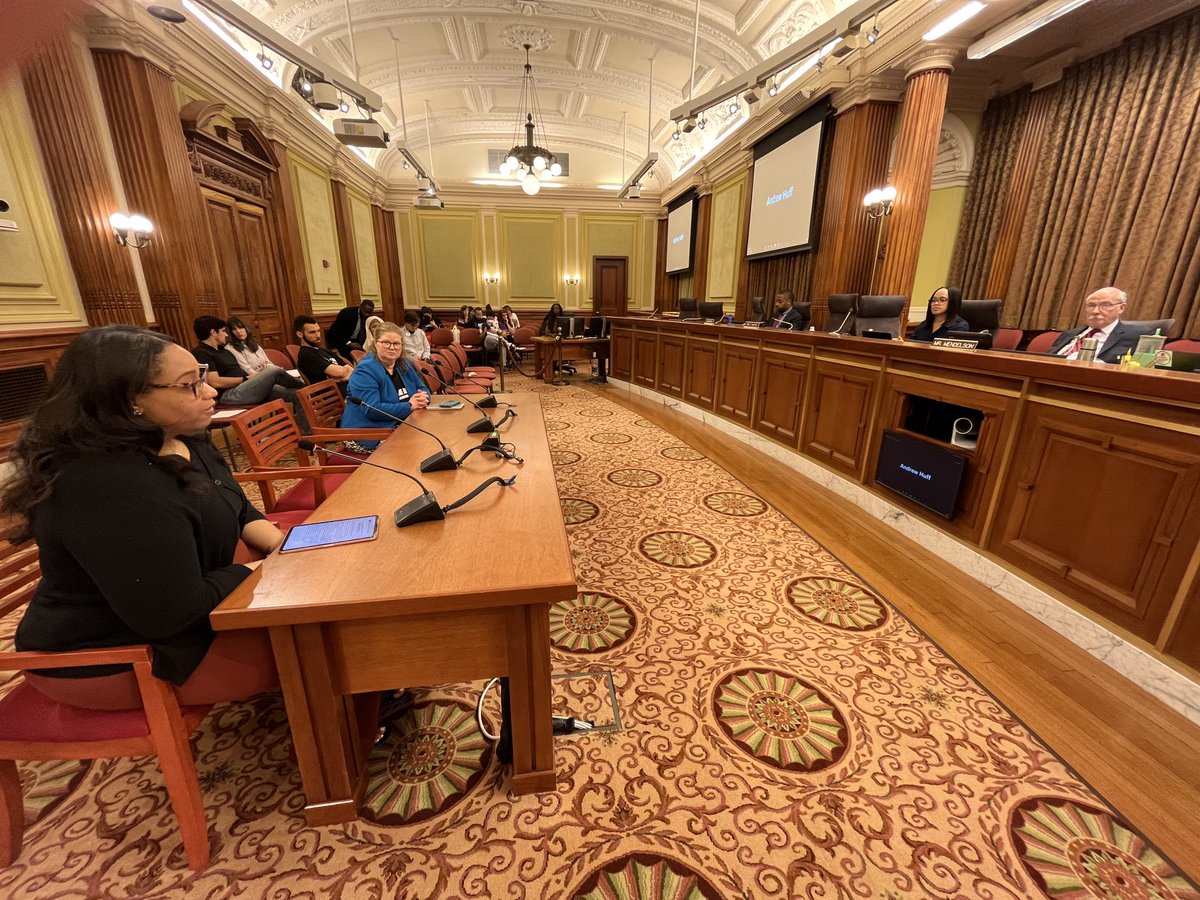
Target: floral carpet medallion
643,876
841,604
731,503
590,623
432,759
576,511
780,720
1077,852
635,478
677,549
784,732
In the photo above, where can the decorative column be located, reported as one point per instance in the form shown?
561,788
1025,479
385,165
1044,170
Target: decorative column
347,250
81,184
928,79
139,99
387,252
858,164
1020,186
290,243
703,229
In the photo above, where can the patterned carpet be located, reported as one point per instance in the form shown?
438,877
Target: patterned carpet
780,731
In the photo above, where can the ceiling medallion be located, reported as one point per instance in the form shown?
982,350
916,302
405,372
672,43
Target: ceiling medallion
531,163
528,37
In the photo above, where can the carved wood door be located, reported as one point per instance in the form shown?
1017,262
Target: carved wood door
610,285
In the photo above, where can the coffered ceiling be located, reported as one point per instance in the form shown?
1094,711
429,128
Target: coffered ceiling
459,63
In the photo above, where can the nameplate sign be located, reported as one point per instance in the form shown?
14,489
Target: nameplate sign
957,343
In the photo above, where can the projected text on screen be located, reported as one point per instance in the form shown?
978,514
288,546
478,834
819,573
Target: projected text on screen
679,238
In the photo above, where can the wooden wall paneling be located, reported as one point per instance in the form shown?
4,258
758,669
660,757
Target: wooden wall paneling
387,251
260,266
1184,641
703,240
1096,508
735,392
912,174
346,247
858,164
671,364
837,427
1020,186
780,389
80,184
139,100
220,214
700,371
288,242
27,361
997,401
621,363
743,281
645,358
662,281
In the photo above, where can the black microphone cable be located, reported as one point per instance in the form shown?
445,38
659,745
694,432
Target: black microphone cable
438,462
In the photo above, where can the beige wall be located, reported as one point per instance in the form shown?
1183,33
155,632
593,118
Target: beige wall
318,233
364,246
727,239
36,282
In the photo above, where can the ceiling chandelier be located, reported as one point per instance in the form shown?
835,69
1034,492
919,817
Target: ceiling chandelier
529,162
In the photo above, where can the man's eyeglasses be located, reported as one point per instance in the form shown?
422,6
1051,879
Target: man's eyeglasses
1105,305
391,345
193,386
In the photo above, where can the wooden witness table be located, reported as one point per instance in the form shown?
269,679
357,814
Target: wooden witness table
463,599
567,350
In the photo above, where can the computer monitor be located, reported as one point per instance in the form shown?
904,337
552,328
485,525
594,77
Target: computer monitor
597,327
573,327
921,471
712,310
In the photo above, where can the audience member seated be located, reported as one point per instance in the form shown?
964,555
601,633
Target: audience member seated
136,518
249,355
508,319
789,313
349,329
477,320
942,316
387,381
234,387
373,324
551,323
315,362
416,342
428,320
1114,338
464,317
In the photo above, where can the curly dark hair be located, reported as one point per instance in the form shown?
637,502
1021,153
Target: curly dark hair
87,410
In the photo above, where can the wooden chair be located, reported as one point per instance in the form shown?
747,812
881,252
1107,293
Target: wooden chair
323,406
34,727
279,358
523,338
481,373
356,356
1041,343
441,337
293,350
450,369
269,434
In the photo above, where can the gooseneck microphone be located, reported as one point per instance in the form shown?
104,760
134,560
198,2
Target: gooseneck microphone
440,461
481,425
838,330
422,509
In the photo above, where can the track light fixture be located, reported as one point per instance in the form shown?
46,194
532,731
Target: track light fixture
773,88
873,34
344,106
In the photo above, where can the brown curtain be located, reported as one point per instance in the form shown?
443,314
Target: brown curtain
987,196
772,274
1116,198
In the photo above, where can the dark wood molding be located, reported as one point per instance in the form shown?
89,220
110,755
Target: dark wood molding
293,268
703,238
32,356
346,247
387,253
80,184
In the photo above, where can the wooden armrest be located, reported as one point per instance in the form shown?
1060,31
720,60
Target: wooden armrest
350,434
65,659
278,474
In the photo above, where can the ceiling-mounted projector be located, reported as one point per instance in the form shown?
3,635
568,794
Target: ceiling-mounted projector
360,133
424,201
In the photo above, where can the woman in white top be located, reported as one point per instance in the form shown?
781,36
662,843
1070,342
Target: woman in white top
250,356
374,323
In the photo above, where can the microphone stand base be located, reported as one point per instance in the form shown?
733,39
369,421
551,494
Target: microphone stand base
422,509
441,461
488,402
480,426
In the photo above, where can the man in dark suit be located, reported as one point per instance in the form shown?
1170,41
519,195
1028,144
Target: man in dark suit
349,330
788,313
1114,338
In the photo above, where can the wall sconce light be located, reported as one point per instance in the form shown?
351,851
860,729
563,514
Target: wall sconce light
131,231
571,279
491,279
880,202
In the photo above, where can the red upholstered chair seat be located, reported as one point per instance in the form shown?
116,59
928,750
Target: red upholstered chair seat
27,715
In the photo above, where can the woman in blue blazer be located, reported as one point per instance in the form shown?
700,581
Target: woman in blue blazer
386,381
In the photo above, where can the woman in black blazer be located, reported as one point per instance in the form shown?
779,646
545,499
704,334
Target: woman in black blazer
942,316
137,519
